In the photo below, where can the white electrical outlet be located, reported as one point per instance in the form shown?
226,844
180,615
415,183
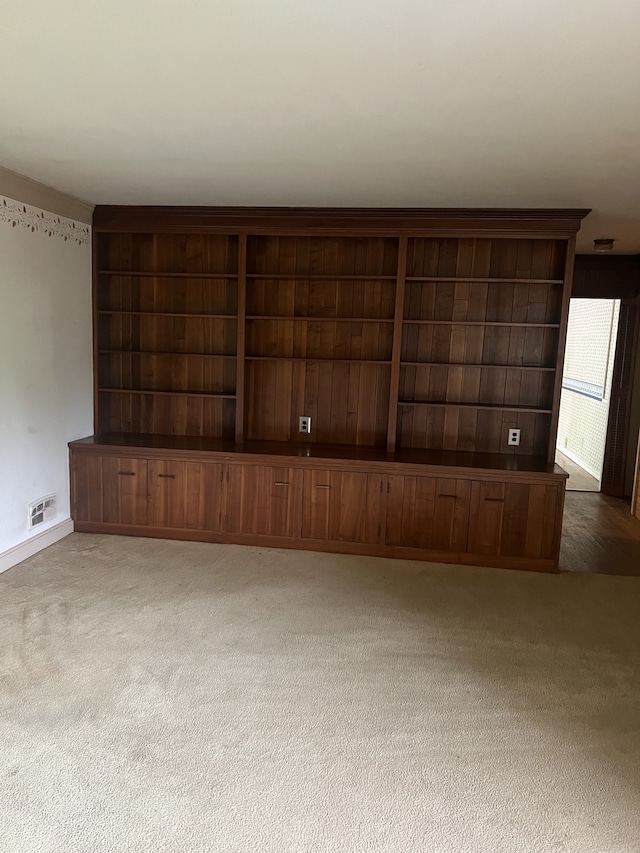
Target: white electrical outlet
514,437
304,424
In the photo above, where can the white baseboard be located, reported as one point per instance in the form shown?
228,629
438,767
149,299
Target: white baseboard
572,456
27,549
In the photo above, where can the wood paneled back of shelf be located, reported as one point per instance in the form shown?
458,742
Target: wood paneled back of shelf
399,328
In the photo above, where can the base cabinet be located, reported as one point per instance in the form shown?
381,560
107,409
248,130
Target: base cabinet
428,513
139,492
86,488
343,507
264,501
174,490
298,504
514,520
292,503
124,490
212,494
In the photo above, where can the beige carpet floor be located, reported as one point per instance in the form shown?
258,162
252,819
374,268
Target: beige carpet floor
166,696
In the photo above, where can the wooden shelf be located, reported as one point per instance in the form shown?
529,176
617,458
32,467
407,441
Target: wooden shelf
168,393
472,280
318,277
169,314
281,317
470,364
487,406
156,352
146,274
482,323
316,358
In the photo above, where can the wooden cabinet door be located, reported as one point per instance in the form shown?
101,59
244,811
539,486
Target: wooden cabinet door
124,490
264,500
544,522
487,517
515,520
343,506
212,496
86,487
428,513
174,494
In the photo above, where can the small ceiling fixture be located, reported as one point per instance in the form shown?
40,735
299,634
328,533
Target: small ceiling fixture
605,244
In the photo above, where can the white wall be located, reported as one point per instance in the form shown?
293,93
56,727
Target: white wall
591,339
45,363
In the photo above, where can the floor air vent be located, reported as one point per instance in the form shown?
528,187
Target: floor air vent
44,510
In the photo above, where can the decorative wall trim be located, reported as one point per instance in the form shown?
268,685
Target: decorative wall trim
17,214
586,389
19,187
32,546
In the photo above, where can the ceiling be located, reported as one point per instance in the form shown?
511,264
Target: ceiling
411,103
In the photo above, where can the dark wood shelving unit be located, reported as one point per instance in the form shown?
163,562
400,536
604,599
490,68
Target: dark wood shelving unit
413,339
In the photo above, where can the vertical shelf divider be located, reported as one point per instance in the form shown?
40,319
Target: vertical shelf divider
396,351
96,331
240,339
562,339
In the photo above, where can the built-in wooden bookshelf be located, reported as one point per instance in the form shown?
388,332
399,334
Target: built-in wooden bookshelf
166,333
461,335
398,332
481,343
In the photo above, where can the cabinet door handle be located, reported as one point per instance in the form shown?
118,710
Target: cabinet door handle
453,497
321,486
126,473
167,476
495,500
280,484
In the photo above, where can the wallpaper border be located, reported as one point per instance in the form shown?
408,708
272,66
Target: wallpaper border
15,213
